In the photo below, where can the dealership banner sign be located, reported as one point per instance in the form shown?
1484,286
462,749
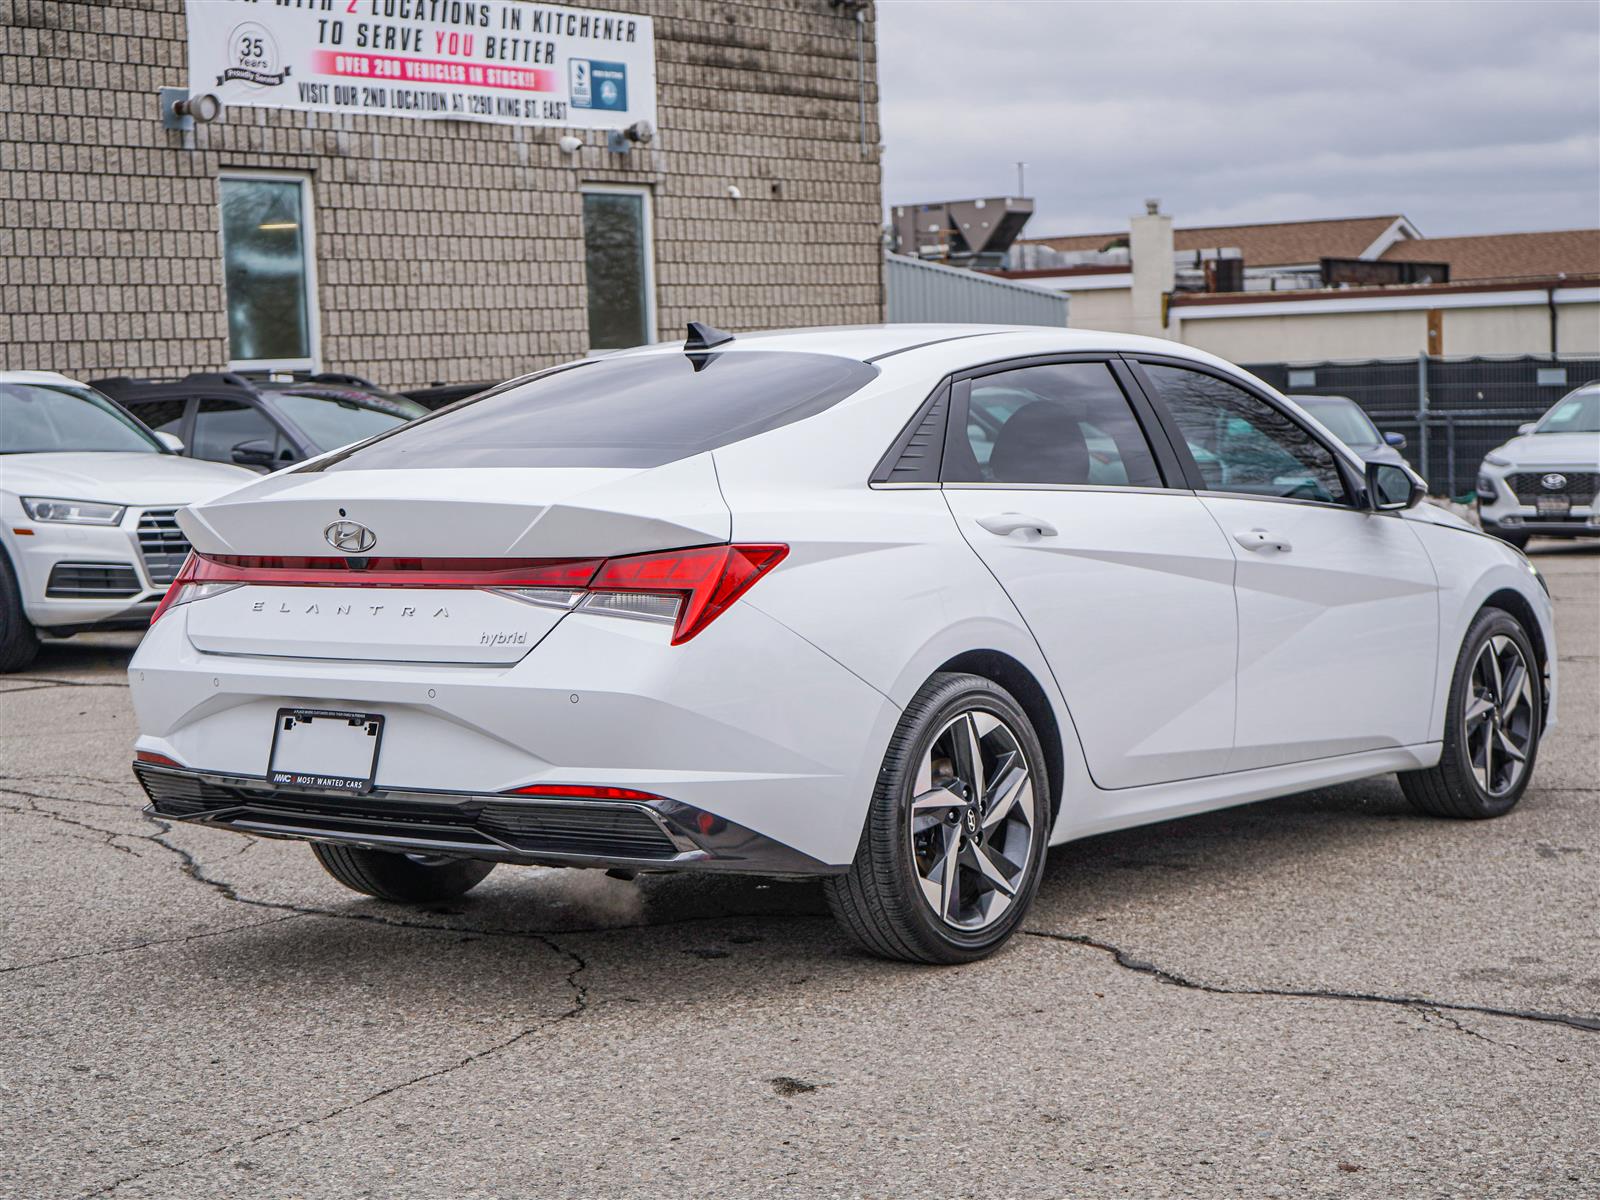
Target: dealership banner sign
517,62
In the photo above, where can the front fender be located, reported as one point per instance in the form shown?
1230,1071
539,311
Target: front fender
1473,569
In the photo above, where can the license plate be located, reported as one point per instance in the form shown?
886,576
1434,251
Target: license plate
324,748
1553,506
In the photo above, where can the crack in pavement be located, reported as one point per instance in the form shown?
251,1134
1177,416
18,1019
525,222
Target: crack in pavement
48,682
33,810
166,941
580,1004
1431,1016
1165,975
7,780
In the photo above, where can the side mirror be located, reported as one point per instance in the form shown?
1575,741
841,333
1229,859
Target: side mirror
171,441
1391,487
257,453
1397,440
1526,428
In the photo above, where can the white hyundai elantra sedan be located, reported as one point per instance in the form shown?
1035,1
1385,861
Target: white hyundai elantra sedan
896,606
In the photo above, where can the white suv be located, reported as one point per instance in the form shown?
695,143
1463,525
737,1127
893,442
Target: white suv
88,537
1543,481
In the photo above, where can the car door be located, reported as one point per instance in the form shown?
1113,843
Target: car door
1121,575
1338,605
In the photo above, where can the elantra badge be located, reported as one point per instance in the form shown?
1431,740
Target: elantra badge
350,536
1553,482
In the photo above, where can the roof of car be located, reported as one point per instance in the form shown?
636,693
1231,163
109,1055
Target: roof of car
48,377
871,342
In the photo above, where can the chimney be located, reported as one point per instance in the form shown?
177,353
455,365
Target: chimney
1150,248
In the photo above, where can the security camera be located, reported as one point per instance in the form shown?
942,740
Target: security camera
734,193
641,131
570,144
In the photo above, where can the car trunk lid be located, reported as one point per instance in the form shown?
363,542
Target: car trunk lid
423,565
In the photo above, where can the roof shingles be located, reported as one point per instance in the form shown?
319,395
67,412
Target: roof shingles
1506,255
1282,243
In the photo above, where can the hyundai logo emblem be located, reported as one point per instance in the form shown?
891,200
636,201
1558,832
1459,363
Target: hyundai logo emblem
1553,482
350,536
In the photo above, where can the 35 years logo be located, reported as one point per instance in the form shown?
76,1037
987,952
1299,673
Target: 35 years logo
253,56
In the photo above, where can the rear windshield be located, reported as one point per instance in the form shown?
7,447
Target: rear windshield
618,412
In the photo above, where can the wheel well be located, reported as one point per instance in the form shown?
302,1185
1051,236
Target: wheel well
1517,605
1019,681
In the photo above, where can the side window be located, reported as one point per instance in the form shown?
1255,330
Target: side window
222,427
1243,444
164,416
1060,423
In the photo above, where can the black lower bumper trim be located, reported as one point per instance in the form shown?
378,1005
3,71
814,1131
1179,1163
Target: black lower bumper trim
665,835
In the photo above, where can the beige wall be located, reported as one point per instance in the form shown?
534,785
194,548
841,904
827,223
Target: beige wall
1323,336
444,250
1320,337
1521,330
1110,309
1579,329
1310,338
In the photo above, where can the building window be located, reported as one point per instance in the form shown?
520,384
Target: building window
620,270
267,271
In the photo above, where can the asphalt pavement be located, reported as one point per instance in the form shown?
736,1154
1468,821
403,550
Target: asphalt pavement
1323,995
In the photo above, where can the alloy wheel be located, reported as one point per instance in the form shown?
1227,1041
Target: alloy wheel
1498,721
973,820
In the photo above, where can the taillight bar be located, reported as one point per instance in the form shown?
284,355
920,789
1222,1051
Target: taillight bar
703,581
392,572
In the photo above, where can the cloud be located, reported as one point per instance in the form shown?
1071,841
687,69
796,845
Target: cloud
1468,118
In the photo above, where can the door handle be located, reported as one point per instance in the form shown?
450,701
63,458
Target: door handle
1005,524
1261,539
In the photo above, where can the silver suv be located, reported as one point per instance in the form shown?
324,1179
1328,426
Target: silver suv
1543,481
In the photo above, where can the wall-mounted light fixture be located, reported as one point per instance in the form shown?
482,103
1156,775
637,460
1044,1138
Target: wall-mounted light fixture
180,111
640,133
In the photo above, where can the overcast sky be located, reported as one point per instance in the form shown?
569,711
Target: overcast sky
1468,117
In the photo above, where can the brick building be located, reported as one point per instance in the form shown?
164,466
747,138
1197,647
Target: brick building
412,249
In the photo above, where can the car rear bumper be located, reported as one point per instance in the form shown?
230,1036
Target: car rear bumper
657,835
747,723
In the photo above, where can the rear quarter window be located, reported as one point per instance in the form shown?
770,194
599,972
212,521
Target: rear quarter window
618,412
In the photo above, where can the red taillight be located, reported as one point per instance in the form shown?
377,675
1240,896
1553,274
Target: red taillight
155,760
708,579
577,791
393,571
185,573
703,581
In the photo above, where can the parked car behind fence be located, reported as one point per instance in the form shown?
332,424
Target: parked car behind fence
1452,411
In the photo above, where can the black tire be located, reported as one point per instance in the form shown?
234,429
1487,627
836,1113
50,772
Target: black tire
18,641
1453,789
879,901
400,877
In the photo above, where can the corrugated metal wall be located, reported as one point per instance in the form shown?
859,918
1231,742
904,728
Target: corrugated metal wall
916,291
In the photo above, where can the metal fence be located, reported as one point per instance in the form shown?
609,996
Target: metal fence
917,291
1452,411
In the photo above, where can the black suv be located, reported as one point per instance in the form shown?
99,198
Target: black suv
262,421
